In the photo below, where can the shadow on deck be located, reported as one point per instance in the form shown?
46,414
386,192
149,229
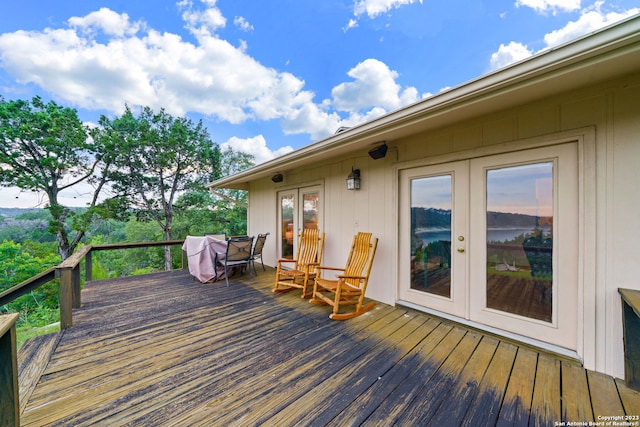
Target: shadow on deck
163,349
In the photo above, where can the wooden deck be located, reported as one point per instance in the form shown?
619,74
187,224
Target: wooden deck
164,350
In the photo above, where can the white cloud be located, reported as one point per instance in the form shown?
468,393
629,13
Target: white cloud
257,146
110,22
242,23
373,8
591,19
374,85
103,60
508,54
205,21
351,24
150,68
553,6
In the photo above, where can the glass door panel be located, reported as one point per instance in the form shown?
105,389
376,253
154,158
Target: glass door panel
432,221
431,205
310,209
298,209
287,224
519,230
524,243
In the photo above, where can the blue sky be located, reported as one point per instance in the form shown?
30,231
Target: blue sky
272,76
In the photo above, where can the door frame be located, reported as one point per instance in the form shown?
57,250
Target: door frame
562,330
457,303
297,192
587,251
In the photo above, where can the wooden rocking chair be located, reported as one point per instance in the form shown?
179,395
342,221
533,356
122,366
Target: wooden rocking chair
308,257
349,287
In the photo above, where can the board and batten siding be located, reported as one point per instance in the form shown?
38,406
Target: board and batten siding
605,117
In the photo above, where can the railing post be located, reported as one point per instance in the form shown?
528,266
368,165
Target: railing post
185,260
88,267
9,396
75,277
66,297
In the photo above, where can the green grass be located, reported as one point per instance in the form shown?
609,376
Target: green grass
23,333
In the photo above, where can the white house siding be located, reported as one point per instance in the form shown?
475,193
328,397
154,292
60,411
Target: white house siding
608,113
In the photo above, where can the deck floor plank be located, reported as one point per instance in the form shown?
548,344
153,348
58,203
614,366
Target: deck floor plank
166,350
401,399
516,405
630,399
361,407
440,386
485,408
34,357
291,378
546,402
576,402
604,395
375,357
454,407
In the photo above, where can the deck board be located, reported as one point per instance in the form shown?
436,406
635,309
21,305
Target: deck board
166,350
516,406
576,402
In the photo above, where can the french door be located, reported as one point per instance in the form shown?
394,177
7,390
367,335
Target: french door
494,240
298,209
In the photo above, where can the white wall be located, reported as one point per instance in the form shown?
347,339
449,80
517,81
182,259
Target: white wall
610,110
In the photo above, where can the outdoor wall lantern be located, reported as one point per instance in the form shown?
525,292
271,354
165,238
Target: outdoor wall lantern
378,152
353,180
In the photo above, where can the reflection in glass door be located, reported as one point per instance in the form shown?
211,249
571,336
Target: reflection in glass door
519,230
494,240
287,220
431,234
310,209
298,209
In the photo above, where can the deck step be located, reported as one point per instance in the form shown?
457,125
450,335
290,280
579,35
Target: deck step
33,358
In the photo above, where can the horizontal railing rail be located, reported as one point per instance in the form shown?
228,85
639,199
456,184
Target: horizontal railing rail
27,286
68,272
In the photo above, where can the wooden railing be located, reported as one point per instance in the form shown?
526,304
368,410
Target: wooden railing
9,405
69,274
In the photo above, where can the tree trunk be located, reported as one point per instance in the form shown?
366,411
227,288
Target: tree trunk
59,216
64,249
167,250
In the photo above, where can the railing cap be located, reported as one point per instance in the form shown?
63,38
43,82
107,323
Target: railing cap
74,259
7,321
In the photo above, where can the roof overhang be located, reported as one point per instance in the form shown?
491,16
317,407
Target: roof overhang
603,55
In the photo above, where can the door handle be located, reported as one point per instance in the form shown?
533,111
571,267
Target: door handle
460,249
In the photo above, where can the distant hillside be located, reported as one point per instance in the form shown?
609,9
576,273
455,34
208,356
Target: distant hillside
439,218
13,212
430,218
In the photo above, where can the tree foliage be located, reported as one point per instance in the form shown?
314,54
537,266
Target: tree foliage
45,148
157,158
225,212
19,263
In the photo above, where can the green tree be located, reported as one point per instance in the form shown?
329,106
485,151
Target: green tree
159,158
19,263
222,211
44,147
